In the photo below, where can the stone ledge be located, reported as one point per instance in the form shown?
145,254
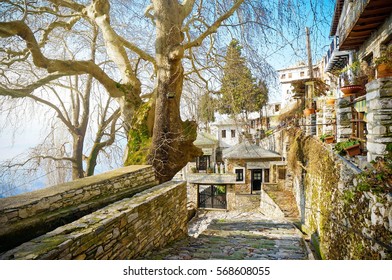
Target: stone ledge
29,215
125,229
22,199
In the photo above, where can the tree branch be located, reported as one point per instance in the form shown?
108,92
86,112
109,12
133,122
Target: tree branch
67,67
187,6
26,91
138,51
214,27
98,11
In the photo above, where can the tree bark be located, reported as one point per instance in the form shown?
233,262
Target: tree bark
77,155
172,144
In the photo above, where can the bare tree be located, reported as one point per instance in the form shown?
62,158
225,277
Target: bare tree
70,99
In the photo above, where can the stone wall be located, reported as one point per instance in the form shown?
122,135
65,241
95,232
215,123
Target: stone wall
343,119
247,202
126,229
346,222
379,116
28,215
268,206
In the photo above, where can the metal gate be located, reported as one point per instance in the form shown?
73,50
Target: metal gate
212,196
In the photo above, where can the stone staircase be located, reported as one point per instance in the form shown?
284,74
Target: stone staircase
285,199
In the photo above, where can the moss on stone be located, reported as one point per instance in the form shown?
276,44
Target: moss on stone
139,137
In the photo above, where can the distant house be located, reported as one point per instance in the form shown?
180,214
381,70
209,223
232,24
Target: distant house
269,118
290,74
228,132
247,167
251,165
209,144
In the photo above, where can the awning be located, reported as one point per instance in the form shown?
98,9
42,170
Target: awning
258,165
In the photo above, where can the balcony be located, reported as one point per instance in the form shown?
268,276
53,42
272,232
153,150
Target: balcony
335,58
361,18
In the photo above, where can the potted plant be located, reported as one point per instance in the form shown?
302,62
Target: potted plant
354,79
194,170
327,138
309,111
383,63
353,150
330,101
350,147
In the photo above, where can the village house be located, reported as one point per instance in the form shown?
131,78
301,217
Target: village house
247,167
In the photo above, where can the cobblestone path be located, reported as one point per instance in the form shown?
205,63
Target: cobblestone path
247,236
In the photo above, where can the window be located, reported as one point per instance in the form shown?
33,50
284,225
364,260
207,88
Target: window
283,76
232,133
266,176
302,74
290,75
239,174
281,173
277,108
358,125
223,133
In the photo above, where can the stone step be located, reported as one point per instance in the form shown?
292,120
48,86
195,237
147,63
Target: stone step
284,198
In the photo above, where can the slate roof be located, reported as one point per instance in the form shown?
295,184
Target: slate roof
246,150
204,139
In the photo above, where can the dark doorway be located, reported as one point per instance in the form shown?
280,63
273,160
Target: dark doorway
256,179
203,163
212,196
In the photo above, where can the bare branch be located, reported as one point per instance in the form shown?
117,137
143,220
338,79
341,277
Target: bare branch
138,51
67,67
147,13
187,6
214,27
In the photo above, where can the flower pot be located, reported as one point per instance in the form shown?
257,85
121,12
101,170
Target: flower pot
353,150
330,102
309,111
329,139
351,90
384,70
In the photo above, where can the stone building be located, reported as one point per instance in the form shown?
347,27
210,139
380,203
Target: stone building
209,145
361,30
248,166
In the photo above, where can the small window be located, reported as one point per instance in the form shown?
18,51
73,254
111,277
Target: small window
302,74
290,75
281,173
232,133
223,133
239,174
283,76
266,175
277,108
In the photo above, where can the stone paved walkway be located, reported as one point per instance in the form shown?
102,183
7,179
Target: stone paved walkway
236,236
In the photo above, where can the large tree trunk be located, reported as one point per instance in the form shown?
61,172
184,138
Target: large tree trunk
172,145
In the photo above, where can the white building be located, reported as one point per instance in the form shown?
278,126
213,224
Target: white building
290,74
228,132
